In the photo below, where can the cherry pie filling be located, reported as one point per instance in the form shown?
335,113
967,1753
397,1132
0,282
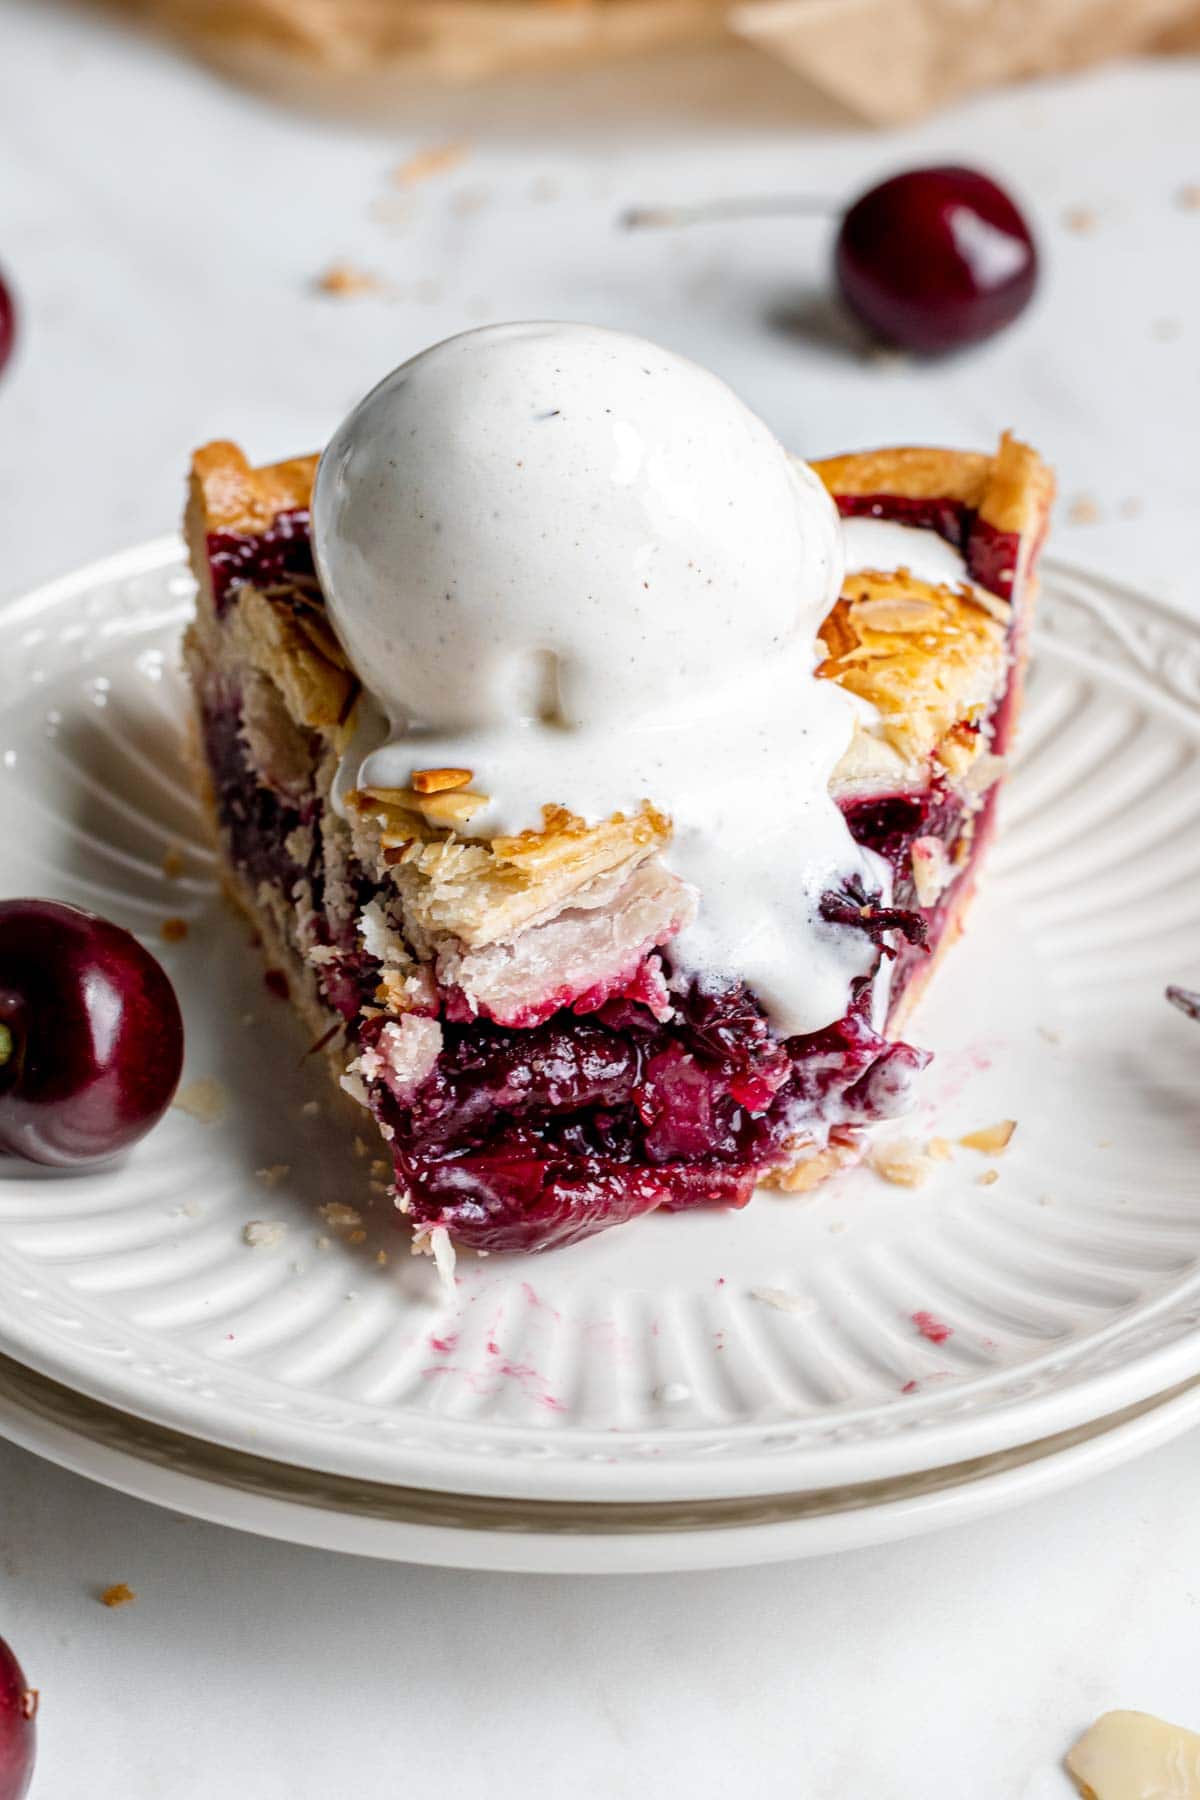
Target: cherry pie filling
526,1137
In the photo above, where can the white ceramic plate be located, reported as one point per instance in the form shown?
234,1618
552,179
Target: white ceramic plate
640,1366
363,1518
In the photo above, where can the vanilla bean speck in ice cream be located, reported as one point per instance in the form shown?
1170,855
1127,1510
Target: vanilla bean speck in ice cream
578,565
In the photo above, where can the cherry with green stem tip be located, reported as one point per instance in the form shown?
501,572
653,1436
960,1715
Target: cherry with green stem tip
91,1037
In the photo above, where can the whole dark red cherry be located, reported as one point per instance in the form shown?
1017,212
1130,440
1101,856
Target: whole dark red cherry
91,1038
8,323
935,259
18,1735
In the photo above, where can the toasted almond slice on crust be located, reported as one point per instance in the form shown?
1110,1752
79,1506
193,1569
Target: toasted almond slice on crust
440,781
453,808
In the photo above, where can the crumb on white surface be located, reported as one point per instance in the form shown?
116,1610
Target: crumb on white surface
803,1306
940,1149
901,1161
205,1099
469,200
119,1594
435,159
343,280
672,1393
339,1216
264,1234
988,1177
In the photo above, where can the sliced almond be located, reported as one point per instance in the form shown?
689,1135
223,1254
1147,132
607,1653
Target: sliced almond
991,1139
440,781
1132,1755
453,807
371,799
449,809
895,615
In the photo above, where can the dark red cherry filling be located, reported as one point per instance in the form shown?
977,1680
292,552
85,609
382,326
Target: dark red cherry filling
990,554
525,1138
522,1140
282,553
259,820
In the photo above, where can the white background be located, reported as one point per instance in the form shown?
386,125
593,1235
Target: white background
163,232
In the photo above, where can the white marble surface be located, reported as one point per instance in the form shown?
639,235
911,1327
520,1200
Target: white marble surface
162,232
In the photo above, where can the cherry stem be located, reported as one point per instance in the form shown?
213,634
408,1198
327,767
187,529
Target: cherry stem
1186,1000
764,206
6,1045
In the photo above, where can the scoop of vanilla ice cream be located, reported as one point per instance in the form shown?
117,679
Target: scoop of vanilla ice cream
580,567
559,522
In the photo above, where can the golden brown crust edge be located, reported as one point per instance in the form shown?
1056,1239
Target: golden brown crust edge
1011,491
230,495
913,471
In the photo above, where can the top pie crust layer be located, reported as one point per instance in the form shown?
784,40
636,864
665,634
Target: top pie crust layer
927,661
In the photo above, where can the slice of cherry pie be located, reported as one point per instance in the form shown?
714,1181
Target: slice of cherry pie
505,1003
